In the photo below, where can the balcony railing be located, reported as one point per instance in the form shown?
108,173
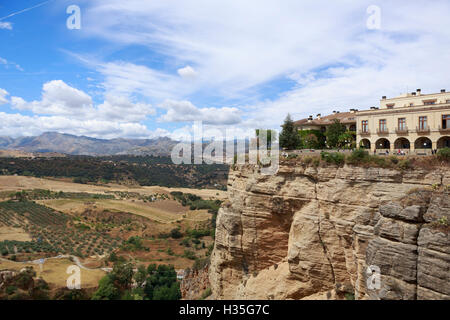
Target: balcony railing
401,130
364,132
444,129
423,129
382,131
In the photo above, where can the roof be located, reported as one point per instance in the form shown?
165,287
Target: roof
343,117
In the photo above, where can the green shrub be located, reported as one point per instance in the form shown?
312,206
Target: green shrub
189,254
176,233
358,155
404,164
335,157
444,154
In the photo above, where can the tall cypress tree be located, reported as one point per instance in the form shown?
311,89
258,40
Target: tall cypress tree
289,137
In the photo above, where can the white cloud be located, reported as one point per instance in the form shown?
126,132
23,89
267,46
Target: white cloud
70,110
58,98
239,49
7,64
187,72
3,94
6,25
263,58
121,109
182,111
19,125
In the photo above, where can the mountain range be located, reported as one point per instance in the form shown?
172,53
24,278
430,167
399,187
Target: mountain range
82,145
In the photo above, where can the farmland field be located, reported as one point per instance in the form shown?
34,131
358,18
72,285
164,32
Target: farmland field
102,226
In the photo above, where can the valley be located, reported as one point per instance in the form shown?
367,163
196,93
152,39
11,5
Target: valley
102,225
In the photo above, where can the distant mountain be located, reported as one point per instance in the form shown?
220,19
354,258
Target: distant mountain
81,145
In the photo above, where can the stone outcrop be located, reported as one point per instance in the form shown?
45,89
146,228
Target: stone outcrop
312,233
195,283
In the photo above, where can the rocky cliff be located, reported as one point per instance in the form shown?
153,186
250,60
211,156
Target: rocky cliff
312,233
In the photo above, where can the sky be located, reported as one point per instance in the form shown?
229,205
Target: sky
145,69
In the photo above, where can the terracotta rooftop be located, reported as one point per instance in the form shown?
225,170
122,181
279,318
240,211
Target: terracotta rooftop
344,117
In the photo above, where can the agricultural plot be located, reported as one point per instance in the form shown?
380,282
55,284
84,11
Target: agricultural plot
51,232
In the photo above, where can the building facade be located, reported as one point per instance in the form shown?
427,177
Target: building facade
411,123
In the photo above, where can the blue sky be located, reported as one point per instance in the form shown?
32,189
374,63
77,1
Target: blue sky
149,68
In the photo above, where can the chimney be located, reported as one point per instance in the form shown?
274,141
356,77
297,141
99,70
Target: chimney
413,93
442,90
310,118
419,91
334,111
319,116
383,97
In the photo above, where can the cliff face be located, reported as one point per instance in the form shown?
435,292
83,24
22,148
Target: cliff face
311,233
194,284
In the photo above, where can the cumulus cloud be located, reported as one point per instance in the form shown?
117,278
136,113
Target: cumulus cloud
58,98
66,109
20,125
182,111
121,109
187,72
3,94
6,25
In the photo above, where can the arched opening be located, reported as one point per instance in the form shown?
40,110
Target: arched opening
402,143
443,142
423,143
364,143
382,143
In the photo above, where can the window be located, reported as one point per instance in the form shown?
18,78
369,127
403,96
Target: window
365,125
402,123
411,104
383,127
448,101
429,102
423,123
446,121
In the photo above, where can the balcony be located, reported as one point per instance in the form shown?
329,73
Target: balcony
364,133
444,129
401,130
382,131
423,129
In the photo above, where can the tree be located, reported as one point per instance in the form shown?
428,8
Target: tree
106,290
333,133
122,275
175,233
289,137
346,139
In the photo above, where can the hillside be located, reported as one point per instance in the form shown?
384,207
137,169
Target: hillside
81,145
